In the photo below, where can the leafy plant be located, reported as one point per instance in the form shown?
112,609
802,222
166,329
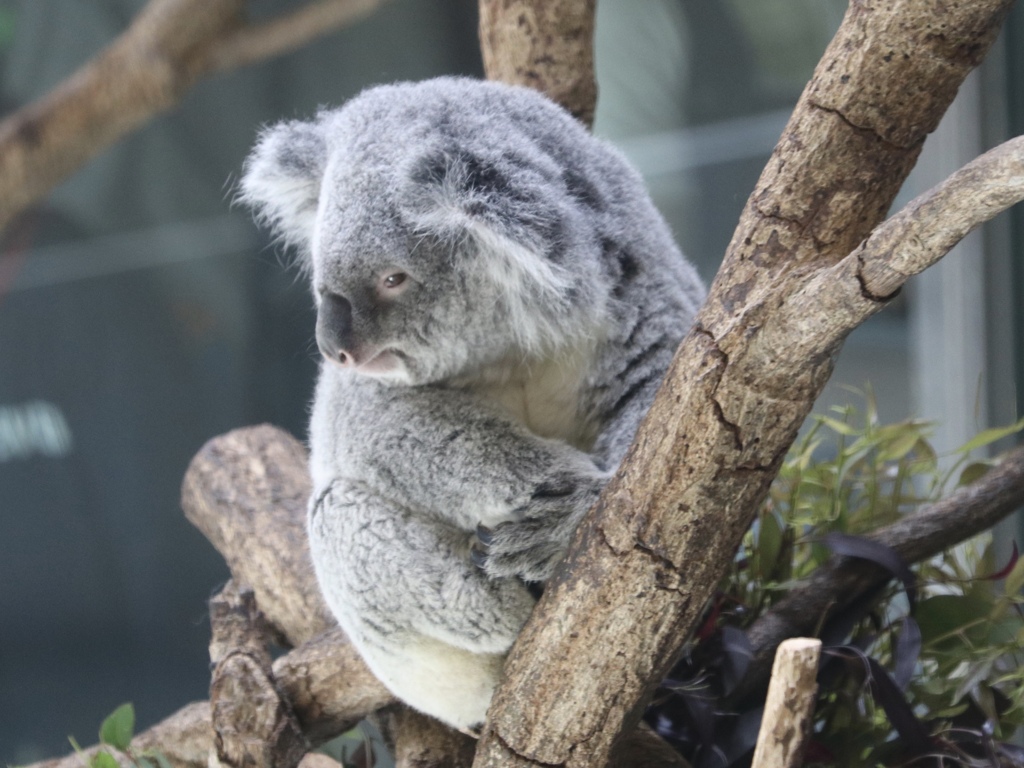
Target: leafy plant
116,732
928,672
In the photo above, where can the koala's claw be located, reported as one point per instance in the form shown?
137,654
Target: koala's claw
484,535
525,549
478,554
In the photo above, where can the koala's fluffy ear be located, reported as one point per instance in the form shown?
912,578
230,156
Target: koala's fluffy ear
282,177
499,202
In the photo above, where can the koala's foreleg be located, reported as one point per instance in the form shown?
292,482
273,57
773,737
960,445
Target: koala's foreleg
429,623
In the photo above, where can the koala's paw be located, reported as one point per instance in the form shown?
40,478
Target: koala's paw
523,549
529,548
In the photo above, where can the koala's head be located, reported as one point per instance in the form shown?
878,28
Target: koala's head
435,223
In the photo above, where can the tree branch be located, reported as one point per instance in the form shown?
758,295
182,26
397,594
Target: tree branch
255,42
327,684
254,723
543,44
170,45
643,565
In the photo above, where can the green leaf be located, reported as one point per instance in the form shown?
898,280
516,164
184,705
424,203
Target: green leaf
942,615
990,436
104,759
1015,579
160,757
769,543
974,472
900,446
837,426
118,728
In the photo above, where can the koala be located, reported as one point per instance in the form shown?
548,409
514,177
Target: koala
497,301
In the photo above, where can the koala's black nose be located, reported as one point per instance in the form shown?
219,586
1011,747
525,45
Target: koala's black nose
334,328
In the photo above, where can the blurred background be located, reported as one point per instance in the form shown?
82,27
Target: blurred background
141,314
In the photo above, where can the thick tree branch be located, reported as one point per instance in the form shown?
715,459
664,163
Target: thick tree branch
642,567
254,722
543,44
146,71
247,492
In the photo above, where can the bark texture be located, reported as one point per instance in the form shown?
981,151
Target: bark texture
418,743
247,492
644,564
543,44
144,72
253,723
789,708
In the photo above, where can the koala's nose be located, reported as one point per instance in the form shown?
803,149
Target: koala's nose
334,328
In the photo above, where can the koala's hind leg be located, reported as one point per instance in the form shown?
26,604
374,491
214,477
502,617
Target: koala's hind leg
430,624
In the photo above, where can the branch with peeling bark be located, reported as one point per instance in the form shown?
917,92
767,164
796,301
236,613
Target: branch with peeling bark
543,44
643,565
146,71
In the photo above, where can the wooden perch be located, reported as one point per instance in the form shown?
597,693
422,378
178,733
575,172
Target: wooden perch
644,563
146,71
789,709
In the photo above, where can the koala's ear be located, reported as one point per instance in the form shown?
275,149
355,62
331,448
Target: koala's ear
449,189
282,177
499,202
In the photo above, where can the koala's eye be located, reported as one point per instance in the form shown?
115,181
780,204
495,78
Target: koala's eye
393,280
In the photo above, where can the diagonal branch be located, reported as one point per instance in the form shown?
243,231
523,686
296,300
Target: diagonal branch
169,46
644,563
255,42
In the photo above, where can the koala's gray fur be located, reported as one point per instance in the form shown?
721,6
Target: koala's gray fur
498,300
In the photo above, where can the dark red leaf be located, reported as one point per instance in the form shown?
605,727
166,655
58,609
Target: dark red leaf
1003,572
878,553
736,655
908,648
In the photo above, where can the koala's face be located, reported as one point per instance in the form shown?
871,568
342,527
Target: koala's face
397,305
438,241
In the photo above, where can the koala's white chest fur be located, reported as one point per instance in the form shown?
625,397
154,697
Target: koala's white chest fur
544,394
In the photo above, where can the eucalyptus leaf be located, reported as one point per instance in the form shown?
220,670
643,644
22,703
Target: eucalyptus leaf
103,759
1015,578
119,727
974,472
988,436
